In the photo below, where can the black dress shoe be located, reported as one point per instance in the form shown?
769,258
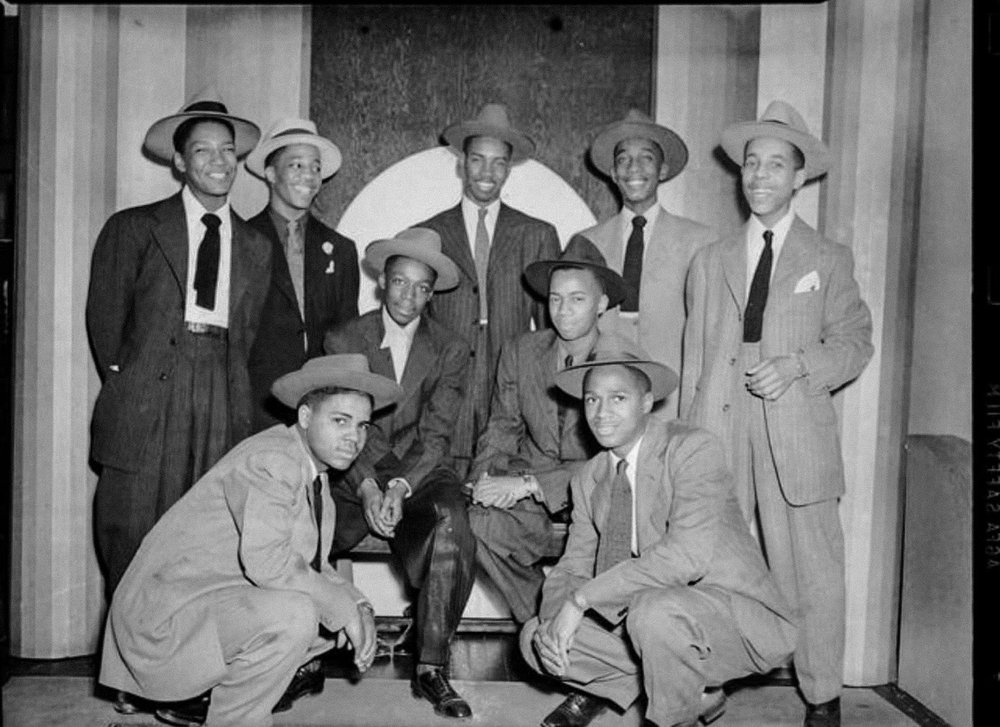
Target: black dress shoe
308,679
189,713
433,686
126,703
577,710
826,714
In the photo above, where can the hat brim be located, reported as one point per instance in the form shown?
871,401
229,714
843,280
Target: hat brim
522,146
537,276
379,251
735,138
290,388
160,137
662,378
602,150
329,154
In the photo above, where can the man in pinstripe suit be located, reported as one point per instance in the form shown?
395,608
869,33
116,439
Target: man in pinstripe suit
492,243
764,348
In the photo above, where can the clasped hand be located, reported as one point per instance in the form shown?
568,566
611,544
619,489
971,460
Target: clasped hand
554,638
771,378
383,511
501,492
359,633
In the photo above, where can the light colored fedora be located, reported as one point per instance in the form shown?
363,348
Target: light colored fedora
637,125
420,244
493,121
289,131
612,348
205,104
349,370
579,253
780,120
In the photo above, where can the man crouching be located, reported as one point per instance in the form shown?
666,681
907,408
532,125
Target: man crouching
228,591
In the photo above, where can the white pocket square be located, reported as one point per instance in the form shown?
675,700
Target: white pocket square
808,283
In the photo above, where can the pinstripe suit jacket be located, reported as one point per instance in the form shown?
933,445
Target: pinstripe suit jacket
517,241
673,242
135,311
522,436
413,437
829,325
690,532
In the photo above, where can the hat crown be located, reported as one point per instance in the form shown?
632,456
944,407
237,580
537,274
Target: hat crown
419,237
614,347
494,114
782,112
587,254
635,115
205,99
340,361
290,125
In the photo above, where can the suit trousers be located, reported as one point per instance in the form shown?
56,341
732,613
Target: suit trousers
436,548
190,436
674,642
510,545
804,548
265,637
474,409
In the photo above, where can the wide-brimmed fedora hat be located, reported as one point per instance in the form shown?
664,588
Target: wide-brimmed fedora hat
579,253
637,125
348,370
493,121
206,104
780,120
612,348
289,131
420,244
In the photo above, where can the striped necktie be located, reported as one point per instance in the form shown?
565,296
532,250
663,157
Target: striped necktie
615,544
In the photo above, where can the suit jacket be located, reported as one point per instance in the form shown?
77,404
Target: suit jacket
690,532
330,298
517,241
828,324
247,522
412,438
135,312
522,436
673,242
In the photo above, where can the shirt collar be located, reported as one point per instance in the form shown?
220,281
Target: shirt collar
394,330
195,210
651,215
756,228
470,208
313,468
632,458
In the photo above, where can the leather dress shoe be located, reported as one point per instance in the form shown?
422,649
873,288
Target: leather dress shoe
577,710
434,686
713,704
188,713
308,679
826,714
126,703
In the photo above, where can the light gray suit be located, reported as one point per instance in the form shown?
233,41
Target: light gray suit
814,308
673,242
697,605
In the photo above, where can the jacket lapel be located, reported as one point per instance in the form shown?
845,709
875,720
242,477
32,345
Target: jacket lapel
734,268
792,262
503,245
604,475
280,273
652,495
455,242
243,263
418,362
380,359
171,235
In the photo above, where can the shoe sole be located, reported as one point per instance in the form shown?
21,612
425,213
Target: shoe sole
170,718
311,692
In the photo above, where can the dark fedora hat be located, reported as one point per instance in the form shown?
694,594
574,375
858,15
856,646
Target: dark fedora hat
612,348
421,244
579,253
493,121
205,104
348,370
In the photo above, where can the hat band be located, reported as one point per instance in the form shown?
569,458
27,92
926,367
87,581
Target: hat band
208,106
289,132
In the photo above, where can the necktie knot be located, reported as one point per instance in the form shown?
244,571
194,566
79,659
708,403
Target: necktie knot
211,221
639,221
483,211
569,361
294,236
621,467
768,238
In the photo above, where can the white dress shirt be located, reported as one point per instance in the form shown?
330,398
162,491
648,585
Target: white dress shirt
632,458
755,244
470,215
628,215
398,339
193,212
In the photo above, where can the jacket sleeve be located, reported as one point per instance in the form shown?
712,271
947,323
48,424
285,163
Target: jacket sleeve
701,484
114,270
844,346
437,419
262,500
350,282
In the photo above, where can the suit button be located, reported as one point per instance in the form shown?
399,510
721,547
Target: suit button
475,289
732,361
725,407
173,341
163,376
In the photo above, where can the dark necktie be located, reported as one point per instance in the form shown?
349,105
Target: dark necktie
206,272
753,319
632,268
562,406
318,513
615,544
482,260
295,254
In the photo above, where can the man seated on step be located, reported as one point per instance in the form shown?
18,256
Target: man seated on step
536,438
403,487
662,589
230,589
